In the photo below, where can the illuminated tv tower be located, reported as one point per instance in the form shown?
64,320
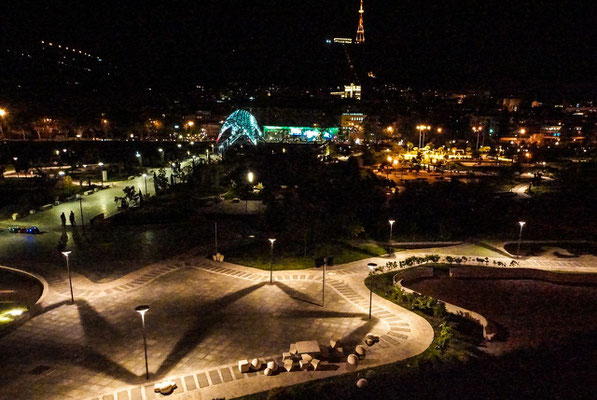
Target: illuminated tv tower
361,29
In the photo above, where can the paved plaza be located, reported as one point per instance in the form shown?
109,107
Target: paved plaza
204,317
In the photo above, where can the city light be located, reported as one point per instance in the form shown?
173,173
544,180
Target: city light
3,112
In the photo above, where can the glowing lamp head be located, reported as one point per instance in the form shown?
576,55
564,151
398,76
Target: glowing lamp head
3,113
272,240
144,175
137,154
160,150
250,177
142,309
66,253
101,164
391,221
521,223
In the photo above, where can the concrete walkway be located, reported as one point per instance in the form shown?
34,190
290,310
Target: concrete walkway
204,317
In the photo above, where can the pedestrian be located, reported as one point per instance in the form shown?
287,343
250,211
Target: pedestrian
71,218
63,219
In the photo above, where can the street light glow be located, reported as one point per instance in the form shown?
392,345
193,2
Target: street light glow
522,223
251,177
3,112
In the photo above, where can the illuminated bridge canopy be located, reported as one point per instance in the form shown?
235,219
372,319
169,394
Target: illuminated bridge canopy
240,127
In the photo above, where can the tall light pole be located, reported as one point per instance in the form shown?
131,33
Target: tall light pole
161,151
478,130
216,236
371,266
101,165
142,310
70,281
145,177
271,260
250,178
139,158
15,159
521,223
391,222
3,114
81,208
325,263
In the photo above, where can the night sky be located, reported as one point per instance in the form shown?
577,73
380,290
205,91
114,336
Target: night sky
447,43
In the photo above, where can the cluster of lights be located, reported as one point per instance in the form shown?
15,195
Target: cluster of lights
70,49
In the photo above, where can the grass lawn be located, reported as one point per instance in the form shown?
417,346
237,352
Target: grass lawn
288,256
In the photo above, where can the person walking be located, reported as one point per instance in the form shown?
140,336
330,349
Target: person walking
71,218
63,219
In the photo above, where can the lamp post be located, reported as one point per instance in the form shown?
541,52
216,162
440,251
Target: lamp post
521,223
81,208
391,222
325,263
271,260
250,178
15,159
161,151
371,266
142,310
477,130
139,158
101,165
70,281
145,178
216,236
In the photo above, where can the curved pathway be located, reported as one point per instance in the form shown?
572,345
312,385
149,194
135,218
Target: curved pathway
197,327
86,340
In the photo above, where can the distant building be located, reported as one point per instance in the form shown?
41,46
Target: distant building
352,125
342,40
351,91
511,104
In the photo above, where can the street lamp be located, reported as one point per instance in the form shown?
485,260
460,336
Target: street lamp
101,165
142,310
372,267
145,178
70,281
16,170
521,223
477,130
250,179
391,222
271,260
140,158
81,208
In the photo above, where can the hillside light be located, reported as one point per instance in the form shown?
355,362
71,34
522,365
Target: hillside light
70,281
3,112
271,260
142,310
522,224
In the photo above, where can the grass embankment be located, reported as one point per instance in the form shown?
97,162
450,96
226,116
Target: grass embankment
291,256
